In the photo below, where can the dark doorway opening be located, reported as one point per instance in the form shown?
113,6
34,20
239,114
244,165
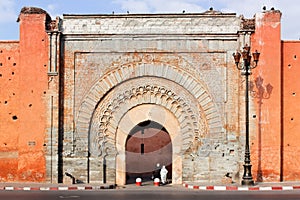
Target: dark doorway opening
147,145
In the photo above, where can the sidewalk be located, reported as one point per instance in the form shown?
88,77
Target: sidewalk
65,187
278,186
270,186
48,186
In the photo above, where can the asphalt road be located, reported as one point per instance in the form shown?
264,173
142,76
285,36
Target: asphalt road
149,194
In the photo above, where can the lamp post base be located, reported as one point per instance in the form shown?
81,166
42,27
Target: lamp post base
247,182
247,177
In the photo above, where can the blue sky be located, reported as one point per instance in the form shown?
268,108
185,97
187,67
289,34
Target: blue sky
10,9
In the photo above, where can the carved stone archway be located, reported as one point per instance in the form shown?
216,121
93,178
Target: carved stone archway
134,93
127,72
124,89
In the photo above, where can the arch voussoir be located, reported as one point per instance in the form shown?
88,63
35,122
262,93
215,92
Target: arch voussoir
146,94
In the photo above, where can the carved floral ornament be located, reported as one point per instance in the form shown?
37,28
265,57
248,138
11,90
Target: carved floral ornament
111,109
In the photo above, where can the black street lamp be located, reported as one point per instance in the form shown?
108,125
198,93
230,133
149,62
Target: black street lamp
246,67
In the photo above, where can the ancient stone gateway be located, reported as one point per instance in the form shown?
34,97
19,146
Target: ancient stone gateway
179,110
121,71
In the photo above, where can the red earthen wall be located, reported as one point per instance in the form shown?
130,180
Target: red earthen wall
9,106
23,89
266,134
291,110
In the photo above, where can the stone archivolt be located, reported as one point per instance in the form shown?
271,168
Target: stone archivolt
111,109
103,104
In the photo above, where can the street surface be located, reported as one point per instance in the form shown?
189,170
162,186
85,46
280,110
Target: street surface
150,194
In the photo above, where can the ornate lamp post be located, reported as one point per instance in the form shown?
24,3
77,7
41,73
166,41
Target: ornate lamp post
246,67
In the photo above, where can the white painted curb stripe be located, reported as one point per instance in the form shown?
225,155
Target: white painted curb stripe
220,188
287,187
243,188
265,188
9,188
26,188
44,188
81,188
202,187
63,188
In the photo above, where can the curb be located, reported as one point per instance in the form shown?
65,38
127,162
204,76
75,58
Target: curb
242,188
58,188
